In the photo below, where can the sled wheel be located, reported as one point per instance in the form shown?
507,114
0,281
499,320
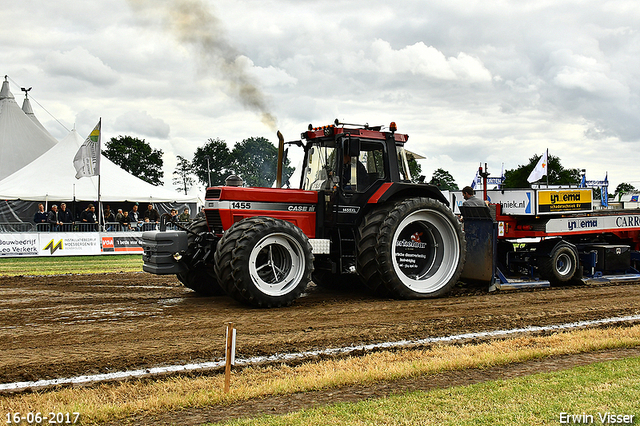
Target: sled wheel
264,262
201,279
419,249
560,266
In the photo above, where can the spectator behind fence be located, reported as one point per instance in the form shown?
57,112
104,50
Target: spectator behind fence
134,216
109,218
108,215
151,214
119,215
124,220
53,218
40,217
184,216
88,217
65,216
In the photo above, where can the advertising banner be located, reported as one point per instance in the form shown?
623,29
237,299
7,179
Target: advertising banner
68,243
13,245
49,244
519,202
565,200
593,223
122,244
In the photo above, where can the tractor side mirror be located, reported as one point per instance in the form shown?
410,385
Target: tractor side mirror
352,147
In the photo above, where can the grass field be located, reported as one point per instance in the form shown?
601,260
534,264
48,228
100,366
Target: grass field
537,400
586,394
70,265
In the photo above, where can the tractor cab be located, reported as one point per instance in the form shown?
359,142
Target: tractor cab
353,159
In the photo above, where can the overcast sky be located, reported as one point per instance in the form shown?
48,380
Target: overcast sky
471,82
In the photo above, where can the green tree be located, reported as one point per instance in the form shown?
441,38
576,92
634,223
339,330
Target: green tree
136,157
255,161
220,162
624,188
182,175
558,175
443,180
414,168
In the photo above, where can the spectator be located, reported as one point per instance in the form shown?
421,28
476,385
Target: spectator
124,220
151,214
470,200
200,214
108,215
119,215
40,218
66,218
135,218
109,218
54,219
184,217
88,217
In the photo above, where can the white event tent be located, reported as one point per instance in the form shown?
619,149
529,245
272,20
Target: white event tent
52,177
22,139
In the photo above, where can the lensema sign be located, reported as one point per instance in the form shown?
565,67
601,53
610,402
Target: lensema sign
564,200
593,223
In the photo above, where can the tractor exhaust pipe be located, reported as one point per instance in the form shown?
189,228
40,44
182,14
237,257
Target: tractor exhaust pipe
280,159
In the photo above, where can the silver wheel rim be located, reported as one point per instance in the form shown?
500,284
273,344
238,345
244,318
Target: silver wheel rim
277,264
564,264
426,251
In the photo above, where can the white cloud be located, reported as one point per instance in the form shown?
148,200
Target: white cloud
141,123
425,61
80,64
469,81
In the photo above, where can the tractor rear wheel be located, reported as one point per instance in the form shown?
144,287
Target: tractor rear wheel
201,279
413,249
264,262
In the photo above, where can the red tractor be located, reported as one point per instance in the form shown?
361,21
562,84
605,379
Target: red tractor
357,215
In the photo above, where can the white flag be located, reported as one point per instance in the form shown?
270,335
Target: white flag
87,159
540,169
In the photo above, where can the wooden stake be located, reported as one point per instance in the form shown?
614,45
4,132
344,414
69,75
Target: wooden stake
229,355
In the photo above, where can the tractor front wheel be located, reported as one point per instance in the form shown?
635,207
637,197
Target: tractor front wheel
264,262
201,279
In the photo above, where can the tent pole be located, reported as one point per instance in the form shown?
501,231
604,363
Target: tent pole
100,220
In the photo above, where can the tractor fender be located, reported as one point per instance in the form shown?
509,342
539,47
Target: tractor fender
394,191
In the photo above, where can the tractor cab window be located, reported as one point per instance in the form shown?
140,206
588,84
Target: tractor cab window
403,164
361,172
320,170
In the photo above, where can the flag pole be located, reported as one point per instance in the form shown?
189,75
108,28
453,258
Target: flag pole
98,154
547,168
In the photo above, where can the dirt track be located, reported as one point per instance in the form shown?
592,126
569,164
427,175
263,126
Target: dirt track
63,326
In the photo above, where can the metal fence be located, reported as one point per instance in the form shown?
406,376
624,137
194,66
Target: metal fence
25,227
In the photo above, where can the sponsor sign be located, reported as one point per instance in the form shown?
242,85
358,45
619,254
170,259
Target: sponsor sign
12,245
120,244
593,223
519,202
68,244
49,244
564,200
411,252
